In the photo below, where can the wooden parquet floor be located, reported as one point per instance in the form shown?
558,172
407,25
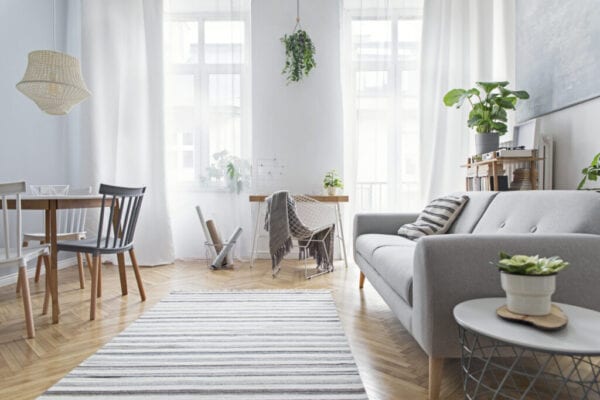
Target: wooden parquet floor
390,362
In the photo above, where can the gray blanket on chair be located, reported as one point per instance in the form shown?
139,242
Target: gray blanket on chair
282,223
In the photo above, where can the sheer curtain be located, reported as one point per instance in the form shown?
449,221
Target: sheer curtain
380,84
208,118
464,41
121,139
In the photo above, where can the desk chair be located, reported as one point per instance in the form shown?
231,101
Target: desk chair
19,256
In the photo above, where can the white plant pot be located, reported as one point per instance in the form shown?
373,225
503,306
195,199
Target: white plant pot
331,191
528,295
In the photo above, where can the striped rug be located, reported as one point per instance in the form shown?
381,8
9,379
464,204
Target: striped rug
224,345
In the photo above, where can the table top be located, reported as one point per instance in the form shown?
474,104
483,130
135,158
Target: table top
258,198
62,197
581,335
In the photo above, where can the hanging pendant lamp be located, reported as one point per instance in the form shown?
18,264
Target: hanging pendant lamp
52,79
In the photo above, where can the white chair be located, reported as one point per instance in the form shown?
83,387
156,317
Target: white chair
19,256
314,225
70,226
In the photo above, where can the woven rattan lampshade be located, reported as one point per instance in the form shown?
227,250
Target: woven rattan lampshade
53,81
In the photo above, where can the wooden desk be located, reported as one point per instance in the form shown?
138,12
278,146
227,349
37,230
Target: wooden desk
49,204
260,198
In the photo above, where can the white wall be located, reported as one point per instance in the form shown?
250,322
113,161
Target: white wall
576,136
32,143
301,123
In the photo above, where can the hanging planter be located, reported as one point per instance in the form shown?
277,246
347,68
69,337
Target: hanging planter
299,52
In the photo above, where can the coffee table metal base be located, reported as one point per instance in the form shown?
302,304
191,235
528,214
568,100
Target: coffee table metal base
493,369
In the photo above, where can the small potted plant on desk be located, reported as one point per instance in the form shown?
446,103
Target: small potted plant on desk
332,182
529,282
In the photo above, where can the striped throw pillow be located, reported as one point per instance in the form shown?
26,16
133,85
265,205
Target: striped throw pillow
436,218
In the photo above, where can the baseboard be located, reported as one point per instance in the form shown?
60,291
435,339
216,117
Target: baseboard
12,278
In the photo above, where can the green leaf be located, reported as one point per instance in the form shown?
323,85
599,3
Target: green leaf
505,103
455,96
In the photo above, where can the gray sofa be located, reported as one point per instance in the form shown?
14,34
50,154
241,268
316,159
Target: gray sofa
422,281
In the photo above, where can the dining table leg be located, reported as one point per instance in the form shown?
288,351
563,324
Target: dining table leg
54,263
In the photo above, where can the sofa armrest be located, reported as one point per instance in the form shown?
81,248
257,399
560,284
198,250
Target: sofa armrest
449,269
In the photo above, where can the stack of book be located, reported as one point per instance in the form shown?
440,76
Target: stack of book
480,178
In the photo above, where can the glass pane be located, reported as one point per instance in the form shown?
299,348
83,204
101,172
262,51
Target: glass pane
371,81
224,90
224,133
409,37
224,42
188,159
179,90
373,144
371,40
409,82
181,42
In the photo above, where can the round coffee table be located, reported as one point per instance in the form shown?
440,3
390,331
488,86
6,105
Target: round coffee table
508,360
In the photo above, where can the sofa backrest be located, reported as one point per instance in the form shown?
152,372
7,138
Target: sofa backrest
472,211
541,211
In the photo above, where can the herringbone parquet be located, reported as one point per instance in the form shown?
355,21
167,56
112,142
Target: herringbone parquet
391,363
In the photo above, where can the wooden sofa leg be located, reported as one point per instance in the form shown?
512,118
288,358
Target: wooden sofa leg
436,371
361,281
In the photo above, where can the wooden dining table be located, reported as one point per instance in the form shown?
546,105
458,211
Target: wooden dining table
50,205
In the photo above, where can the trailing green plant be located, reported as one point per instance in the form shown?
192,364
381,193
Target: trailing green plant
332,179
591,172
231,170
530,265
299,55
488,110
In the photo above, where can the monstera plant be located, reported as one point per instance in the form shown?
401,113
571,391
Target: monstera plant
591,172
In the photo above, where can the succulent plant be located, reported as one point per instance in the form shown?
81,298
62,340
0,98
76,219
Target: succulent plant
530,265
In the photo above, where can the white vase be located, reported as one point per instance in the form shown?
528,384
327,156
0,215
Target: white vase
527,294
331,191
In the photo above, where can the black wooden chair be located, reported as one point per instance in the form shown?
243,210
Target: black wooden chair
115,236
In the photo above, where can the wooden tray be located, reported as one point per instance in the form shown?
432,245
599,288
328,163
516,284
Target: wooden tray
554,321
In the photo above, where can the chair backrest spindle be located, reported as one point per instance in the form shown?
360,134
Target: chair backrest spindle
10,189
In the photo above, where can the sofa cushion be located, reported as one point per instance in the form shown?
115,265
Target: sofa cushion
540,211
392,257
472,211
436,218
367,244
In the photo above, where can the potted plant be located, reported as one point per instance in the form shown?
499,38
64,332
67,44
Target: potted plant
299,55
529,282
591,172
332,182
229,170
488,110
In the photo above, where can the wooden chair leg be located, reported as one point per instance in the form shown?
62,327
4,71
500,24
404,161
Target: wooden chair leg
81,274
18,283
94,289
361,281
122,274
436,371
27,303
47,293
88,261
99,273
138,277
38,269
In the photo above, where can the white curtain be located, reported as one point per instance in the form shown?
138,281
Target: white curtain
380,43
208,119
121,139
464,41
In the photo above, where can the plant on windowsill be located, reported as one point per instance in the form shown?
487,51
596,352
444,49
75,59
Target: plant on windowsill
227,171
332,182
529,282
590,173
299,52
488,111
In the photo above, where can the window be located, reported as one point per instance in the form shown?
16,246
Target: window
206,88
384,54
